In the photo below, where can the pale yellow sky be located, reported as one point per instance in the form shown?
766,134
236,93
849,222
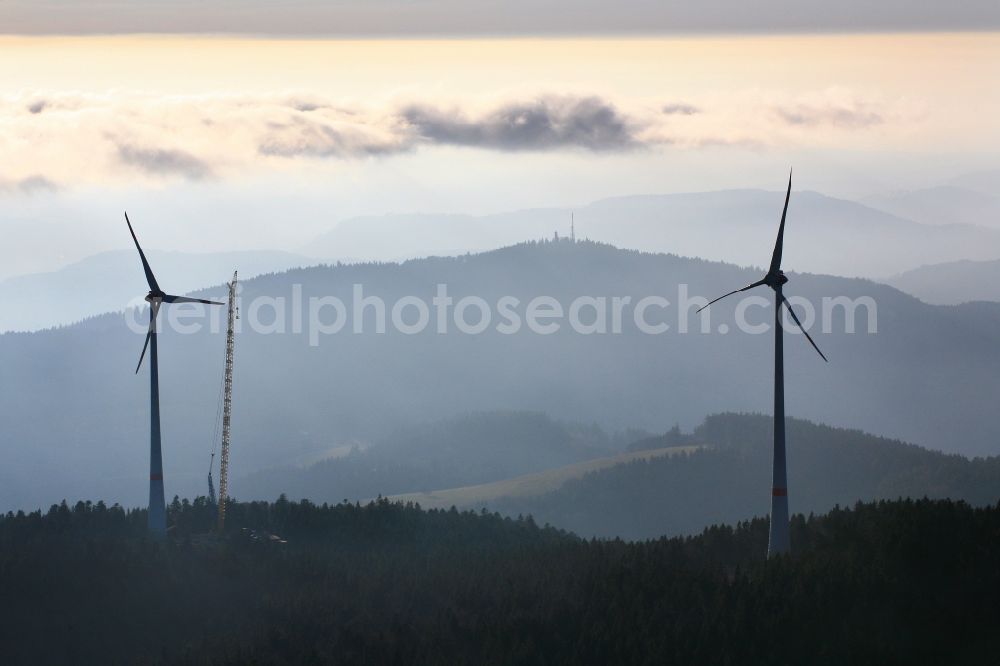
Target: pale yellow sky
90,124
896,63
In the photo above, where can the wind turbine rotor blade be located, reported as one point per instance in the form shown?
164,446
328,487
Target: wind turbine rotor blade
784,301
150,278
184,299
776,257
155,308
735,291
143,354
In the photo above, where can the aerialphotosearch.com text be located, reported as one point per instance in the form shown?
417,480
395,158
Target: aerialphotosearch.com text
443,313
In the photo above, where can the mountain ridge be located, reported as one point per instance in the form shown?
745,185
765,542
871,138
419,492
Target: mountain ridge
734,226
94,285
292,399
951,283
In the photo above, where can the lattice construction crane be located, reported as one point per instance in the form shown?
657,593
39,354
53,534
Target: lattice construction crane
211,486
227,404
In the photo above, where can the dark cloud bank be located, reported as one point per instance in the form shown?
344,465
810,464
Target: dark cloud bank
163,162
29,185
548,123
588,122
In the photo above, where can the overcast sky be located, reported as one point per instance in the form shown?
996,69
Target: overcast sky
490,17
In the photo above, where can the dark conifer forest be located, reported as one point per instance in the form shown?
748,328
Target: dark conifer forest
901,582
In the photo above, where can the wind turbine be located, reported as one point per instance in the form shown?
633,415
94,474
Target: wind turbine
778,542
157,516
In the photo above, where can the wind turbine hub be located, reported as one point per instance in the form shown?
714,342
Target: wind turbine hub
775,279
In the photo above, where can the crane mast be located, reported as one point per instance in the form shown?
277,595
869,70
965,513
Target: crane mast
227,405
211,486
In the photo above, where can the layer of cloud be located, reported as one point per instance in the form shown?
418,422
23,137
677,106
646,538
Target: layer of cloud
328,136
680,108
72,139
851,117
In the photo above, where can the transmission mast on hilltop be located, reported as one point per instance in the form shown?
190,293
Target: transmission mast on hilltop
227,405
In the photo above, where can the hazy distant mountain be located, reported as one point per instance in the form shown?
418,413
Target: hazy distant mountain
727,480
111,281
947,204
826,235
74,417
987,181
952,283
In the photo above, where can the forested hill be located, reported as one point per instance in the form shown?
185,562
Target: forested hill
729,477
466,450
898,582
480,459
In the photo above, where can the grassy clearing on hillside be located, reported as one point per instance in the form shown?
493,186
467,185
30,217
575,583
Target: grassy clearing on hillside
530,485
